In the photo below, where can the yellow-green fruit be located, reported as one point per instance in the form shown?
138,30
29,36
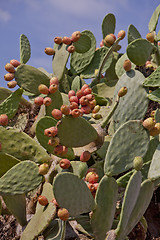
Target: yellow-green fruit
138,163
148,123
122,91
43,169
156,130
96,116
109,40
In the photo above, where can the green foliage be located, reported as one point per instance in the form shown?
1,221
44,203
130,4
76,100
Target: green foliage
25,49
108,24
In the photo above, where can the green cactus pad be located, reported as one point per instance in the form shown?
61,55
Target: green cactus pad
139,50
45,72
153,79
10,105
129,201
47,122
65,98
60,60
65,83
73,194
21,146
55,230
79,168
157,115
57,102
17,206
110,72
119,65
133,33
84,225
144,198
79,61
129,141
72,132
103,214
102,151
153,144
108,24
6,162
154,19
83,44
96,62
29,78
76,84
134,104
25,49
4,93
154,170
21,178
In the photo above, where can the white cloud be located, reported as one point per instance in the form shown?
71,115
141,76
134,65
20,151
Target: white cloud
4,16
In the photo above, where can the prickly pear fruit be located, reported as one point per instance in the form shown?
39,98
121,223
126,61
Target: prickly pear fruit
63,214
71,93
43,89
121,34
54,141
42,200
12,84
73,105
138,163
96,116
76,113
155,130
87,91
9,68
65,109
51,132
64,150
3,119
38,101
49,51
76,36
150,36
149,123
66,40
91,187
47,101
15,62
58,40
127,65
122,91
53,88
54,80
64,163
58,149
74,99
9,76
71,49
55,202
84,101
96,109
43,169
85,156
79,93
108,40
57,114
86,109
93,178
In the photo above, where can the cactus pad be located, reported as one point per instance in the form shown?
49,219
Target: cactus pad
154,19
73,194
29,78
83,44
4,93
153,79
25,49
108,24
21,178
124,147
133,33
154,170
72,132
6,162
56,102
76,84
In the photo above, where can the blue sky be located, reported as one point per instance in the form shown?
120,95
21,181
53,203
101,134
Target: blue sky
42,20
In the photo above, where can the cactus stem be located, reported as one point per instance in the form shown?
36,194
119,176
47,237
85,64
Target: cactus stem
157,55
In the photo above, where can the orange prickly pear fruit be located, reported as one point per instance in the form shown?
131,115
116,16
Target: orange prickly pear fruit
63,214
121,34
149,123
127,65
42,200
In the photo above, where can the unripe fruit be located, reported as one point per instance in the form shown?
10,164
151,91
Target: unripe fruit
122,91
150,36
15,62
127,65
9,76
138,163
42,200
66,40
58,149
109,40
86,109
149,123
12,84
71,49
49,51
43,89
64,163
73,105
96,109
71,93
43,169
47,101
57,114
9,68
85,156
51,132
65,109
54,80
76,113
53,88
93,178
97,116
84,101
54,141
3,119
76,36
63,214
121,34
155,131
58,40
38,101
74,99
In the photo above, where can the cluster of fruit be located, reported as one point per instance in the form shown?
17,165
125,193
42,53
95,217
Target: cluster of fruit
10,68
111,38
151,125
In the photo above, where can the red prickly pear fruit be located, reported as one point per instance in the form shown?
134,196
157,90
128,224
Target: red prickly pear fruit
71,49
113,36
84,101
54,141
3,119
42,200
76,36
149,123
73,105
12,84
75,113
155,131
91,187
55,202
87,91
66,40
96,186
92,103
64,163
138,163
90,96
96,109
122,91
93,178
53,88
91,170
150,37
58,149
9,76
15,62
102,44
54,80
88,175
49,51
51,132
79,93
84,87
74,99
127,65
57,114
43,89
121,34
86,109
65,109
9,68
85,156
63,214
65,150
47,101
58,40
43,169
38,101
109,40
71,93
